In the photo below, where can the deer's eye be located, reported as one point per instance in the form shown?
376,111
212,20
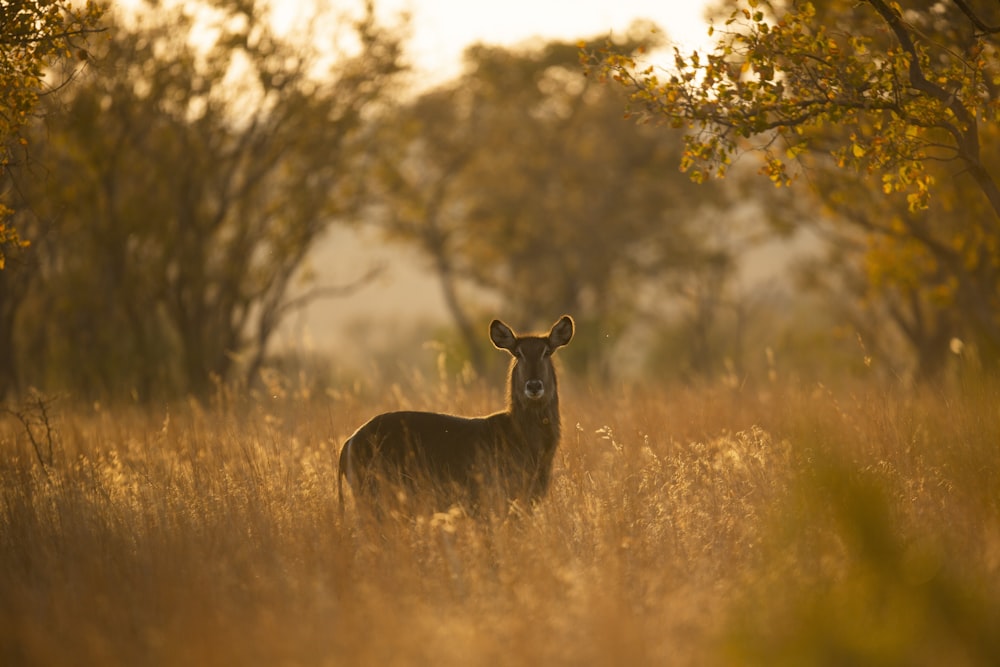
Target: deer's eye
546,353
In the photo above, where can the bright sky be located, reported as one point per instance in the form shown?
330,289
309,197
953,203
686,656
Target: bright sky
441,29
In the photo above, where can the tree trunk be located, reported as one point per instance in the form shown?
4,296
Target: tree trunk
462,321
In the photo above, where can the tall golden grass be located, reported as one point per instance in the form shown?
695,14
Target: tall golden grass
707,526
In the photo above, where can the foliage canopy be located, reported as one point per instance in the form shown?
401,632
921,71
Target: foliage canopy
34,35
902,98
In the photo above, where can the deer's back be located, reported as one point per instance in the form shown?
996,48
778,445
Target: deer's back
445,447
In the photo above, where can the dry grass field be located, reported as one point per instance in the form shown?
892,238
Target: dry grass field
782,525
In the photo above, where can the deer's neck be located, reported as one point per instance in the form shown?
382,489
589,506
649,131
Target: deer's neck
537,424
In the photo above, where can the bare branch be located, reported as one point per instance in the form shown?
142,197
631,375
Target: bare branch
34,416
328,292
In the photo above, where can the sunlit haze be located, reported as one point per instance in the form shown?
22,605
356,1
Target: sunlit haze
443,28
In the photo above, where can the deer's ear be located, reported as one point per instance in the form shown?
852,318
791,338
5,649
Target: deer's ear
503,336
561,333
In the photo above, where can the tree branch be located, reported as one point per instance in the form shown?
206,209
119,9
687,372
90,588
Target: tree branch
963,6
917,78
966,133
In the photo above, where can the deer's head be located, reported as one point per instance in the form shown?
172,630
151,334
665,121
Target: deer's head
532,376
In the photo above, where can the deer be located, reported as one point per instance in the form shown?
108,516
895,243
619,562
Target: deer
505,457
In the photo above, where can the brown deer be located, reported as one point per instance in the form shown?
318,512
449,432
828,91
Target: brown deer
504,457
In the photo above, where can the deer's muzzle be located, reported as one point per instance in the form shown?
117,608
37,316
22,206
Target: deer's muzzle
534,389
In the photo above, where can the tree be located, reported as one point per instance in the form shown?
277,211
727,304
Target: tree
184,189
33,35
904,100
519,178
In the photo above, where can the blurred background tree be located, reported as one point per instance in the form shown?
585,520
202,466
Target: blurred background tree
176,199
520,178
42,45
887,110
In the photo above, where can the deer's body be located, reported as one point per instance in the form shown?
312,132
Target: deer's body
508,454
